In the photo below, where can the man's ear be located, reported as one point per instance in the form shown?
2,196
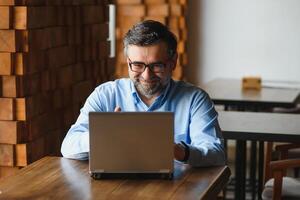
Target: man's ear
127,61
174,61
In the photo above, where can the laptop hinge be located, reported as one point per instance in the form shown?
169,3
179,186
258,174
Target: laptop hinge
98,171
164,171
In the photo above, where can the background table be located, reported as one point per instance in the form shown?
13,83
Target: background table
60,178
229,92
255,126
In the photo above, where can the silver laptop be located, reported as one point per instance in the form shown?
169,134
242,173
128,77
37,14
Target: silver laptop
131,143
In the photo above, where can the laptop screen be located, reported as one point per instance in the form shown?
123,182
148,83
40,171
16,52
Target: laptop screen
131,142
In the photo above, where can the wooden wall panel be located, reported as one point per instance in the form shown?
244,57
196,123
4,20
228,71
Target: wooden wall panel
7,153
7,111
30,17
6,65
5,17
53,53
12,132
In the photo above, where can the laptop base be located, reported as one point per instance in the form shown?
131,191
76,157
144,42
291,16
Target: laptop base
98,176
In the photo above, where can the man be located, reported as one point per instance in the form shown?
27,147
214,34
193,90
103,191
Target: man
150,49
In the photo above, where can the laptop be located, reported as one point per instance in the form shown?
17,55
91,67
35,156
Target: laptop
131,144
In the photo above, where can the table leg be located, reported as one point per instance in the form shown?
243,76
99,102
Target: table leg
260,168
226,151
252,175
225,146
240,170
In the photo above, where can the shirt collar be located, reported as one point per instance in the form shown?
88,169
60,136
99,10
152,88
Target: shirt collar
163,95
134,93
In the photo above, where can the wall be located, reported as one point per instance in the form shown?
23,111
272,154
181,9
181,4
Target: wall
52,55
234,38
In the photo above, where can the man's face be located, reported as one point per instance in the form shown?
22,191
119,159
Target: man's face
148,82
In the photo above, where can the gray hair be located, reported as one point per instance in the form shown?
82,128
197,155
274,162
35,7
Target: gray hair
150,32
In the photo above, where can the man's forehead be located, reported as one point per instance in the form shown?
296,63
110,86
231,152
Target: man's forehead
158,50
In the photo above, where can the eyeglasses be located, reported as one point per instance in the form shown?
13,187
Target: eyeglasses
140,67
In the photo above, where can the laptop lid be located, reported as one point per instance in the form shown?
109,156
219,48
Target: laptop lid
131,142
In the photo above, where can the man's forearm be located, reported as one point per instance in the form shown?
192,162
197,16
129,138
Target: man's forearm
76,145
201,157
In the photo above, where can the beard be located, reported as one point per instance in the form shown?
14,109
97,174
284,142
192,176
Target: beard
148,89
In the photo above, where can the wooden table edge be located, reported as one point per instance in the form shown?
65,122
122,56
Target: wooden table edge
217,184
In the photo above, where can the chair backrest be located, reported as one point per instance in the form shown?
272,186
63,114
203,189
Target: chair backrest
283,152
278,169
268,158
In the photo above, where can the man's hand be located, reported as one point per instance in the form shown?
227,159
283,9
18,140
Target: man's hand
117,109
179,152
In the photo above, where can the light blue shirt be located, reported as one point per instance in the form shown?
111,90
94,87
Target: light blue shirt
195,122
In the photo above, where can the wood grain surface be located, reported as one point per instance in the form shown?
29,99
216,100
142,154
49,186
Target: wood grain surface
61,178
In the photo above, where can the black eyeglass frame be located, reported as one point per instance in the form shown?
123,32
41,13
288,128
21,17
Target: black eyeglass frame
161,66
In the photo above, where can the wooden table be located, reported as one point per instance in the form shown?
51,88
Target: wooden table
255,126
61,178
229,92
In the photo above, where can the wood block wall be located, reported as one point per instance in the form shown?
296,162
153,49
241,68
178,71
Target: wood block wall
169,12
52,55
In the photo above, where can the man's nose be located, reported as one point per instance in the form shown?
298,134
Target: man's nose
147,74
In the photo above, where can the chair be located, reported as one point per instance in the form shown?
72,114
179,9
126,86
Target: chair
295,110
277,184
288,151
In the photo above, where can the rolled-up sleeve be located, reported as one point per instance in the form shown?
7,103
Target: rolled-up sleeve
206,141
